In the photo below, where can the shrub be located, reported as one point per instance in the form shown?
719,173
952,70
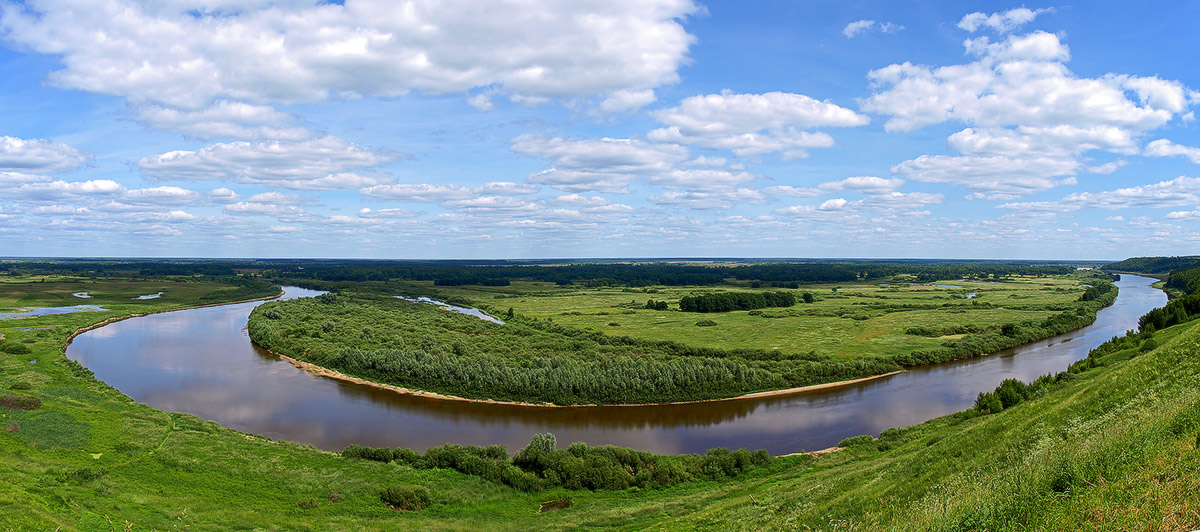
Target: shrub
406,456
406,497
856,440
706,323
14,348
1011,392
988,403
367,453
308,504
21,386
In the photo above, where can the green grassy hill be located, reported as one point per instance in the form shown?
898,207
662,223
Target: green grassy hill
1113,448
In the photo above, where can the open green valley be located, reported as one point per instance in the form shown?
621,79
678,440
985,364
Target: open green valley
1110,443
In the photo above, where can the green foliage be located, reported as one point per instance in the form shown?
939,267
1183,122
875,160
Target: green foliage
1177,310
541,465
888,434
1154,265
1094,292
367,453
706,323
409,498
988,403
655,305
14,348
1117,442
856,440
420,346
730,301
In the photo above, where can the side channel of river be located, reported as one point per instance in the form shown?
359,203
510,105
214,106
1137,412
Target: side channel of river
202,362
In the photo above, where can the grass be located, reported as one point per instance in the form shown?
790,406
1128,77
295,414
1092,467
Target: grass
828,325
1113,449
851,332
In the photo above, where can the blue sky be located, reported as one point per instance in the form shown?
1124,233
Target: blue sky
643,128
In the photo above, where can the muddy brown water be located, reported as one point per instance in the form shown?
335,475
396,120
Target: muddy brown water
202,362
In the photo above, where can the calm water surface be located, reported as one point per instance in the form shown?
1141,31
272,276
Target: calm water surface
201,361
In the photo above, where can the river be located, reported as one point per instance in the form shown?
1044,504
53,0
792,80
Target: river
201,361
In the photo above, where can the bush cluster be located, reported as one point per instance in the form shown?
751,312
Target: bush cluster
14,348
406,497
541,465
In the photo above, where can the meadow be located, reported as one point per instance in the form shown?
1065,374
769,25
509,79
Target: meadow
554,349
1111,445
846,320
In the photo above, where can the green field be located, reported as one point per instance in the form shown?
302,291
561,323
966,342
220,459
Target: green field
858,319
120,294
1113,447
545,354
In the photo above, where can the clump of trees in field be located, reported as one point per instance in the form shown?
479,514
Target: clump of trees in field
730,301
542,465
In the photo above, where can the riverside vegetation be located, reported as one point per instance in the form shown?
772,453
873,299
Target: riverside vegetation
417,346
1110,445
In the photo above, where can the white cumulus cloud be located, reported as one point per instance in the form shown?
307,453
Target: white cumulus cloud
1001,21
39,155
288,52
753,124
326,163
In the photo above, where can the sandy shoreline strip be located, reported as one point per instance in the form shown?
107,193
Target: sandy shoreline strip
322,371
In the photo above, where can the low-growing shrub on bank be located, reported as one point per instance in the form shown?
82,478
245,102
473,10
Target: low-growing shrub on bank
856,440
406,497
541,465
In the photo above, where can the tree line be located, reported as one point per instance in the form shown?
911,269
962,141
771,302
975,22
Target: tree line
1179,309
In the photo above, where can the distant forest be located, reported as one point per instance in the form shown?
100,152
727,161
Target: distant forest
1155,265
500,273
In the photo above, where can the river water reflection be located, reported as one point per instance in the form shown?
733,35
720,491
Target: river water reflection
201,361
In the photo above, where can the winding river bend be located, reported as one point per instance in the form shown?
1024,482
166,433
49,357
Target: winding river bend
201,361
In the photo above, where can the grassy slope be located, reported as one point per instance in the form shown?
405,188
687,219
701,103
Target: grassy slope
1113,450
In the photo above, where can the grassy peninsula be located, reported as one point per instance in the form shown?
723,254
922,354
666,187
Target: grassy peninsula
607,345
